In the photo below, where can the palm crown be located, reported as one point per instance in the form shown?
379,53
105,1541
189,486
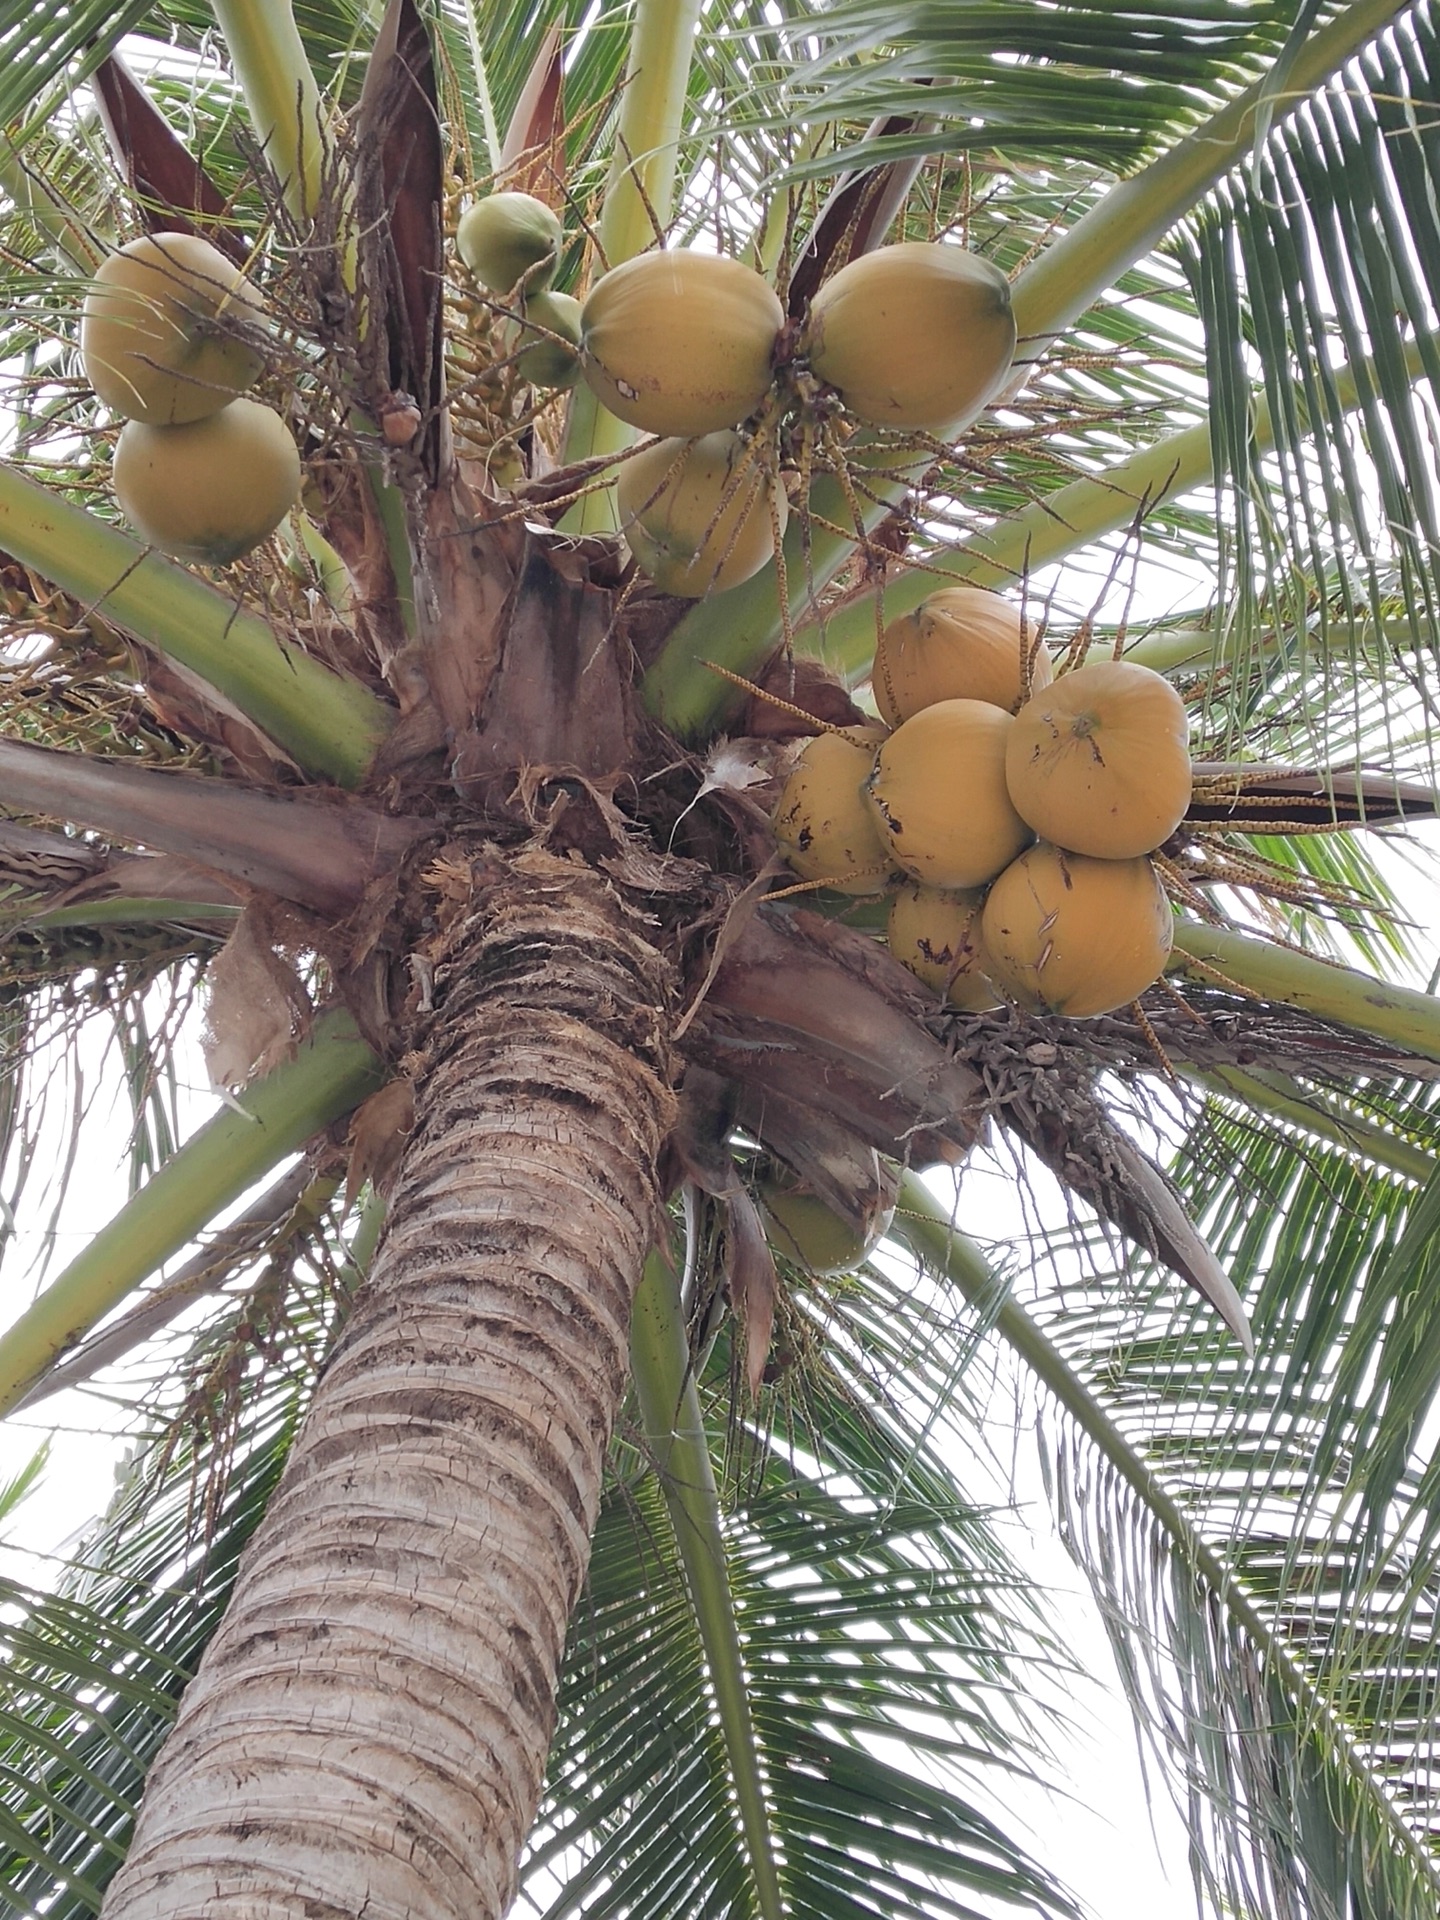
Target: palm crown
466,819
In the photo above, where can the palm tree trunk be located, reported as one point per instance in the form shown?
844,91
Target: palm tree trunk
367,1733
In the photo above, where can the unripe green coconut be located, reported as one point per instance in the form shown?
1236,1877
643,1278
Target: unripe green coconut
805,1230
680,342
823,824
1067,934
210,490
509,237
939,794
166,332
697,513
963,643
546,340
937,936
918,335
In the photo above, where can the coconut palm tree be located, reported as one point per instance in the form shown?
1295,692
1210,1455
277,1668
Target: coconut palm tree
527,1506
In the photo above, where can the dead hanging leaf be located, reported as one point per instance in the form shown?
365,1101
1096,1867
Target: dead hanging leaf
378,1134
256,1008
753,1283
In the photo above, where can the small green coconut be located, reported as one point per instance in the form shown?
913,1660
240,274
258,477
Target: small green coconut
805,1230
509,237
546,340
212,489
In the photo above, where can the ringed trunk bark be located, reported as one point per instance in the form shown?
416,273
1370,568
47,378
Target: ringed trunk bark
367,1733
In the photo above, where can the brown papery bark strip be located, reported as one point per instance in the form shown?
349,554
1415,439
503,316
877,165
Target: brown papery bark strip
368,1731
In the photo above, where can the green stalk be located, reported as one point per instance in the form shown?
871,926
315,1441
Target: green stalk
675,1433
332,726
1217,956
1273,1095
930,1233
280,93
639,195
39,202
333,1071
1133,216
135,912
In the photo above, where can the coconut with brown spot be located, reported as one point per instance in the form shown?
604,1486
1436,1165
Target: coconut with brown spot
823,825
962,643
1066,933
939,794
936,934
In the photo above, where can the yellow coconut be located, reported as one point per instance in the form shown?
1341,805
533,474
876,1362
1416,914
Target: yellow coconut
509,237
1100,761
938,791
546,340
167,330
1069,934
697,513
213,489
963,643
680,342
803,1229
937,936
918,335
823,824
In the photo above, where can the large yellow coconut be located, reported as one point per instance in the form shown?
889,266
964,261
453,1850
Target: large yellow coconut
938,791
167,330
805,1230
823,825
937,936
680,342
1100,761
509,237
963,643
1067,934
918,335
546,340
213,489
697,513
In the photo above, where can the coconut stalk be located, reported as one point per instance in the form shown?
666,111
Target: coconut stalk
675,1434
1220,957
639,196
332,726
332,1072
284,102
1275,1095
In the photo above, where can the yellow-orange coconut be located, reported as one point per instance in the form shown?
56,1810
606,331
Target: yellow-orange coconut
823,825
1100,761
213,489
508,237
697,513
803,1229
1068,934
963,643
918,335
167,332
679,342
937,936
938,791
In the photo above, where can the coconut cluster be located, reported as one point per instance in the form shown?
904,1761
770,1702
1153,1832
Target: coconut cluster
168,341
1011,815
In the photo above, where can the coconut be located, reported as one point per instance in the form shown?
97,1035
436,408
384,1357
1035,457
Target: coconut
509,237
963,643
210,490
918,335
823,825
697,513
680,342
805,1230
1100,761
938,791
937,936
166,332
546,340
1065,933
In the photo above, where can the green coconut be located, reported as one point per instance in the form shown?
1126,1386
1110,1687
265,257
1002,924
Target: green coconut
546,340
918,335
823,825
805,1230
509,237
212,489
679,342
698,513
167,330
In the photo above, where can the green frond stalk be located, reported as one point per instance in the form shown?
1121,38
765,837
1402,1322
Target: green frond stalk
675,1432
38,201
134,912
331,725
639,196
1218,956
333,1071
1277,1099
284,102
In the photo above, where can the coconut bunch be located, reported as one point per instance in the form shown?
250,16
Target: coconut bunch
1010,815
168,342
